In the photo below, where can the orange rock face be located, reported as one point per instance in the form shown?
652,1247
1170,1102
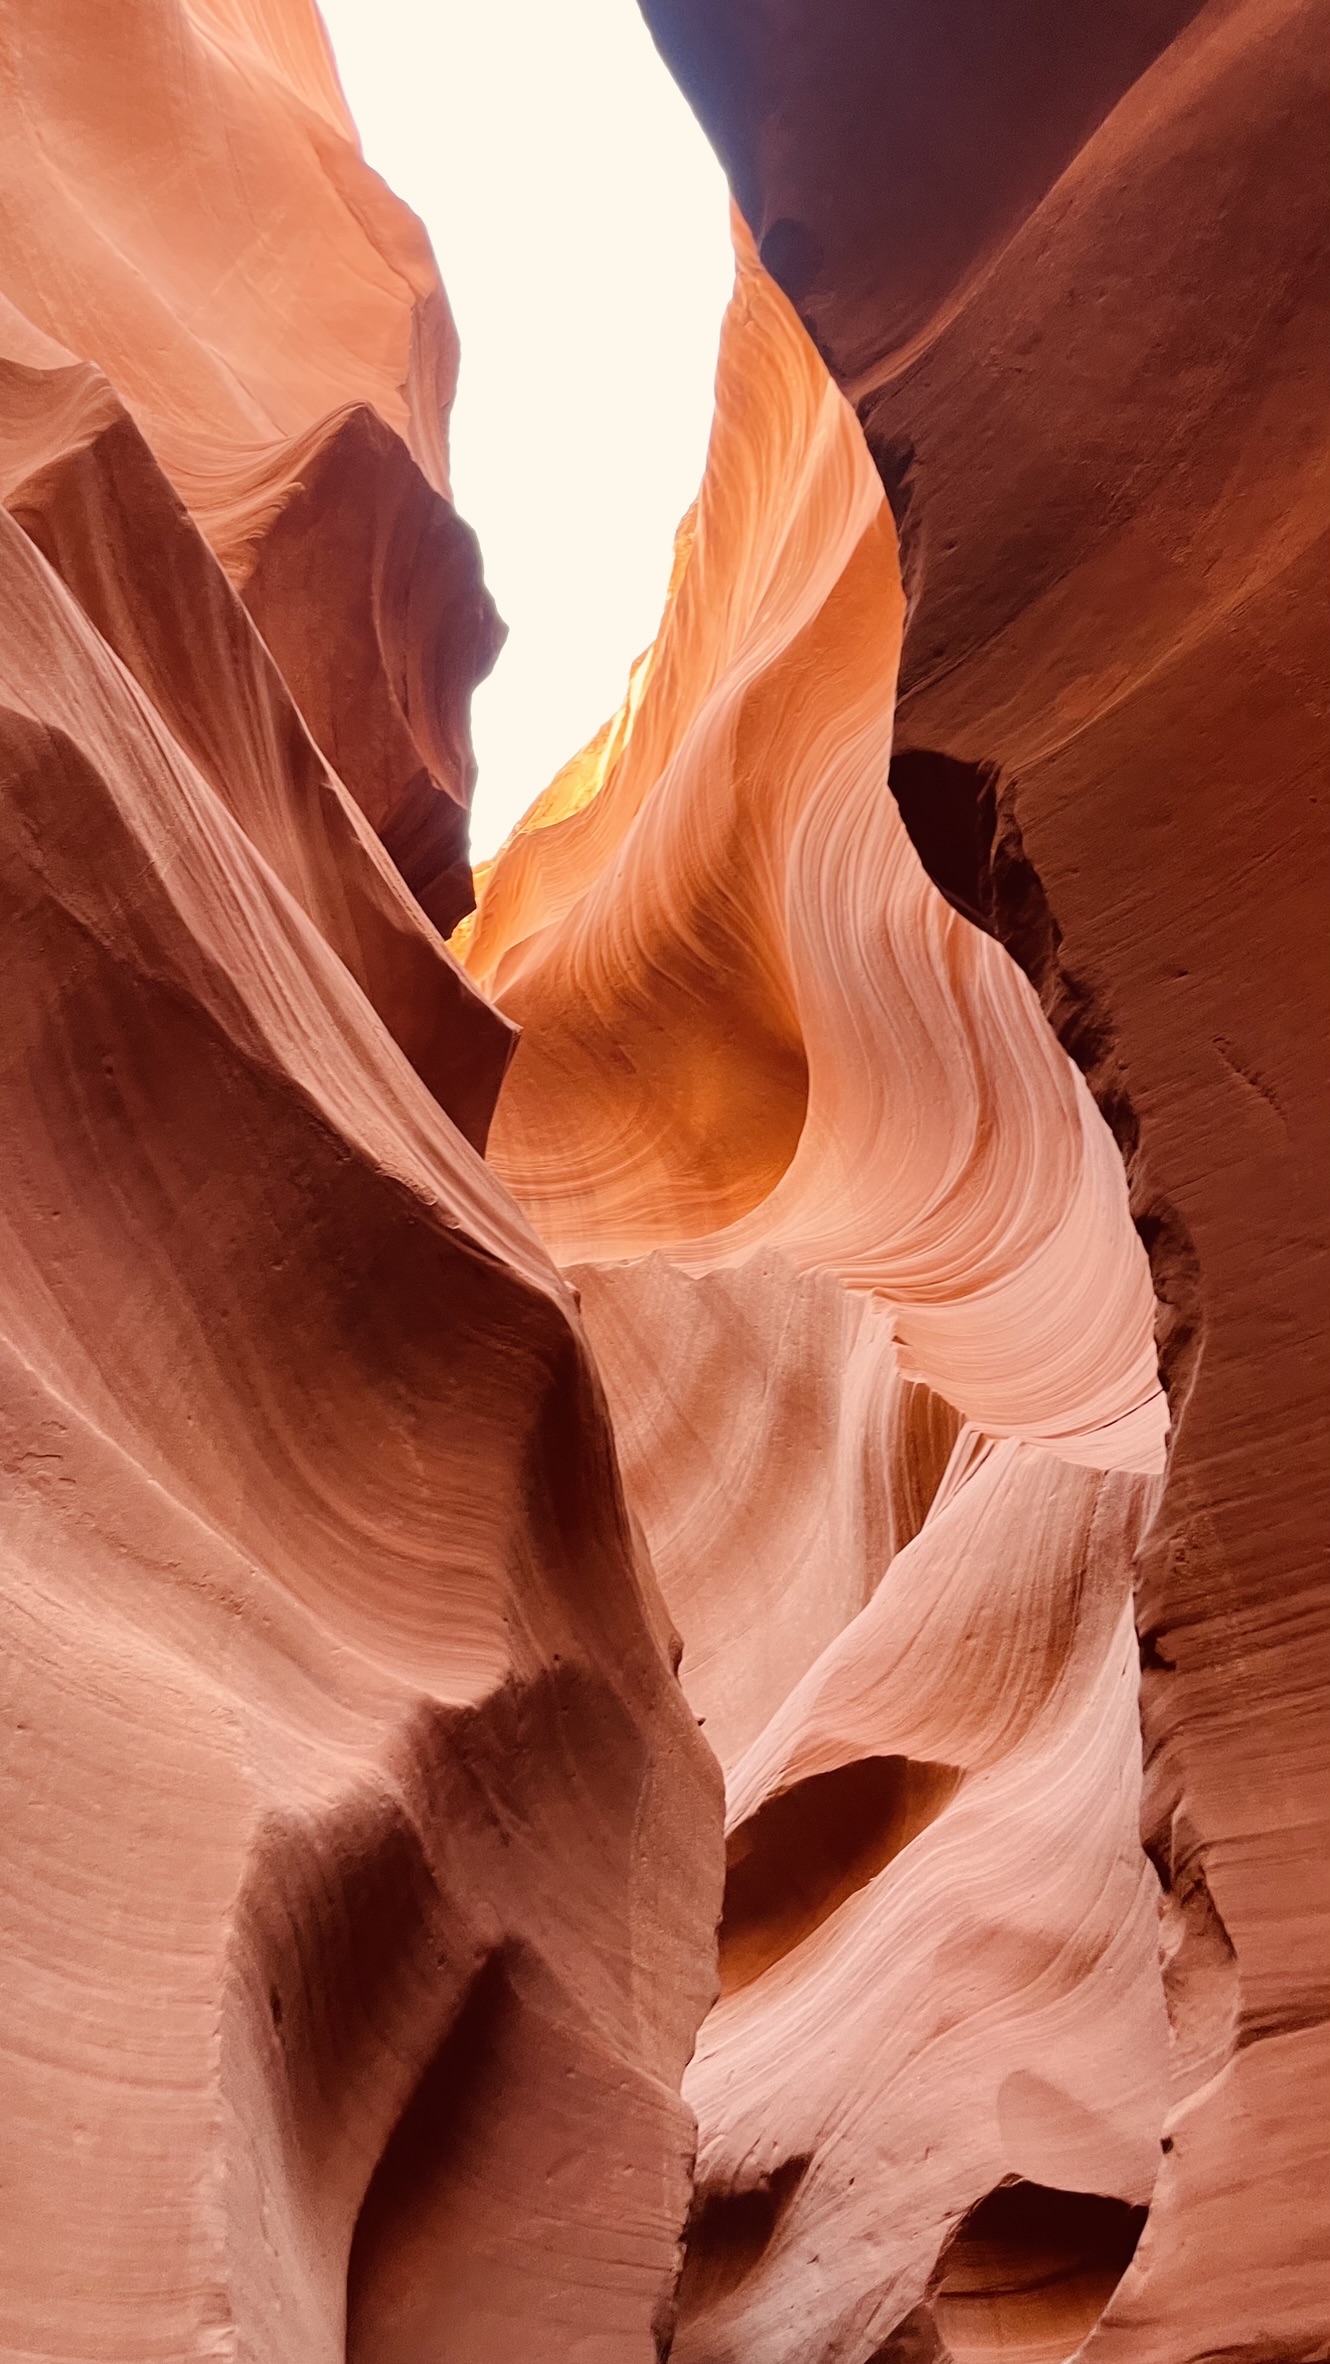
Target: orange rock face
1072,276
854,1250
749,1019
841,1207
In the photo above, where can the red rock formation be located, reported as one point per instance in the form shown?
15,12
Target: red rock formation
263,367
750,1020
1072,273
935,905
361,1859
751,1032
910,1647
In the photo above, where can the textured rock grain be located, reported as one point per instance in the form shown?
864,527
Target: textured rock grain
885,1396
1071,277
919,1061
361,1859
1098,404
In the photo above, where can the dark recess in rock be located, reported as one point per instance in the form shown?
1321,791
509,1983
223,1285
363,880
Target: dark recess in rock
809,1848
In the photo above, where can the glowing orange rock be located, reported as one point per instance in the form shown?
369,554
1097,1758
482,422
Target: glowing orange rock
887,1228
1072,273
750,1019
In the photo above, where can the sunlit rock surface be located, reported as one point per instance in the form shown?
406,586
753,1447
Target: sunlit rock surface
749,1018
917,1024
1072,280
1072,271
885,1397
361,1857
185,205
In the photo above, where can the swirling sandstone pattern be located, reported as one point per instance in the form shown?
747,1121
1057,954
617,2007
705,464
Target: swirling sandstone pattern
909,1643
955,1983
938,1955
1072,270
360,1857
748,1018
907,975
756,1046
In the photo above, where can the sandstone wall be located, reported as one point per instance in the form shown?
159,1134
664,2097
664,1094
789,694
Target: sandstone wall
361,1858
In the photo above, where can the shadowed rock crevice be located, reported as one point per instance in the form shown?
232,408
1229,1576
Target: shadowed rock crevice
809,1848
962,821
915,2340
1022,919
728,2235
949,810
1200,1969
1030,2271
398,2250
896,461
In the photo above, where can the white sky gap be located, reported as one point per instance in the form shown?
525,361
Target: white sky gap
581,225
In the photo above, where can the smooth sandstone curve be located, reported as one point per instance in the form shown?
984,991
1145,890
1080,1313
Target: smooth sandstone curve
360,1856
907,1664
750,1020
1072,270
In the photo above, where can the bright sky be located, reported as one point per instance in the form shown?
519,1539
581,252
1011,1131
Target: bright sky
581,225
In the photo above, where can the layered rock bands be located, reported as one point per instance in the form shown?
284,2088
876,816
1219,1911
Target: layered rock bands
665,1662
362,1858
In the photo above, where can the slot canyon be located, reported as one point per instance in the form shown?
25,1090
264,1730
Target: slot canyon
666,1626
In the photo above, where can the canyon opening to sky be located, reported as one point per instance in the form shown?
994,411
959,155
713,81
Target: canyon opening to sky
664,1595
586,224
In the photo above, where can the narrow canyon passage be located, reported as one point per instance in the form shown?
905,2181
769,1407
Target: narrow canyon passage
854,1253
663,1655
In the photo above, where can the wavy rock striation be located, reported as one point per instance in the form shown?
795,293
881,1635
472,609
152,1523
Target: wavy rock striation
789,1102
1072,274
361,1858
915,1033
938,1951
885,1399
750,1020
